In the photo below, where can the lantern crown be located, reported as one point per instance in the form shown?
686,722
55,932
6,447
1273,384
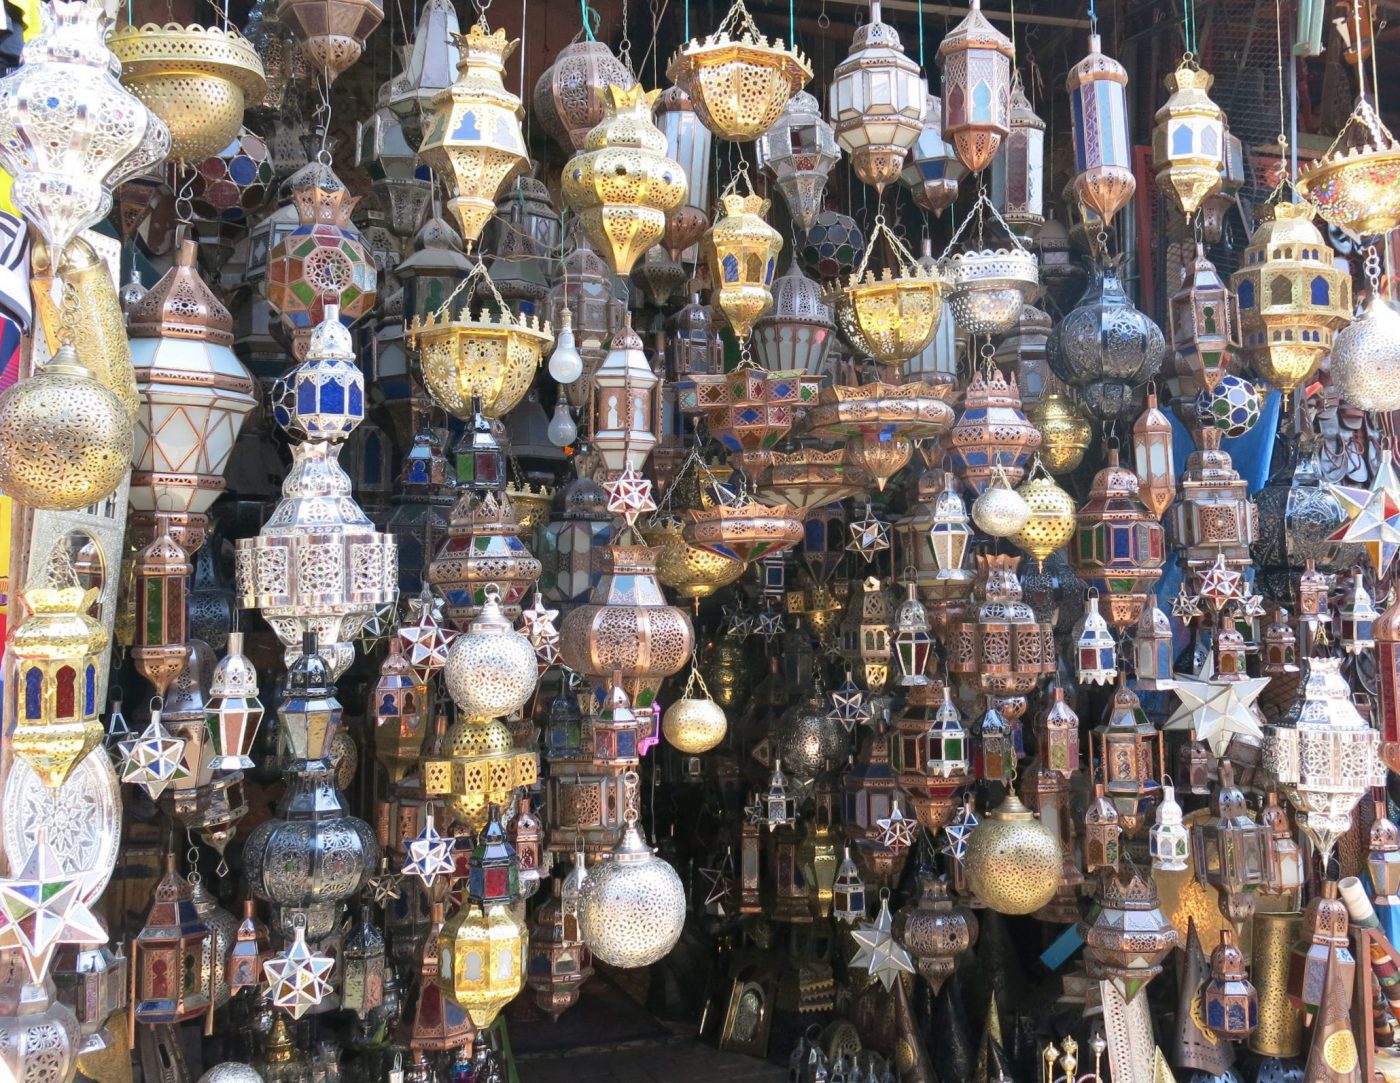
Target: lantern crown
1126,888
181,305
316,202
975,32
480,45
330,339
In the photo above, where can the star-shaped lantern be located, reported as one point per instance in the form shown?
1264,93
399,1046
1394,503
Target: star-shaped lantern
429,855
964,821
869,536
896,831
877,950
1252,606
541,632
386,885
1374,516
1185,607
1217,709
849,705
298,977
1220,585
153,760
629,495
425,641
719,886
769,623
42,908
736,622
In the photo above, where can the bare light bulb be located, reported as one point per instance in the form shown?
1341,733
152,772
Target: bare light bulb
562,430
565,363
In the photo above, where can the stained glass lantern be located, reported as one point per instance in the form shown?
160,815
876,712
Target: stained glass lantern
557,960
798,152
574,543
1357,617
912,642
233,710
161,586
1102,833
1153,461
1018,173
797,333
950,531
362,963
1383,869
1153,650
1233,853
738,81
1214,516
930,753
1098,92
482,962
832,246
1059,736
167,957
1096,653
1130,752
626,404
694,346
992,437
321,263
1188,139
615,729
1386,634
623,183
1118,548
933,170
383,149
234,183
976,59
1205,325
1168,841
877,102
475,141
1126,943
995,759
1292,297
742,252
483,550
1230,1001
688,143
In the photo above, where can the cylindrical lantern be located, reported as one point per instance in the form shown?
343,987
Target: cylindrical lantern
1098,93
1018,174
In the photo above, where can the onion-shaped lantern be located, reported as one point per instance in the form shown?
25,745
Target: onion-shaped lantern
198,80
1098,90
569,94
742,251
1354,185
1106,348
892,315
69,132
475,141
976,59
688,142
796,334
739,82
1363,365
482,552
933,170
878,102
1188,139
798,152
622,184
332,32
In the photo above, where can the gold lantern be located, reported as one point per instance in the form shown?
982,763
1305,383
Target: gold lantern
1013,861
1188,139
742,251
880,422
332,32
56,649
737,80
892,315
477,767
489,357
1292,298
1353,186
197,79
474,140
65,439
622,184
694,723
1051,523
976,59
692,572
744,530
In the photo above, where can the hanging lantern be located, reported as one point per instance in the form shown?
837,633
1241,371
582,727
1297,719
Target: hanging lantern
1059,736
383,150
475,139
167,957
748,410
1233,853
1357,618
1018,174
935,931
69,132
1291,296
626,404
65,439
249,951
1128,940
738,81
1350,185
1327,760
950,532
1361,364
1386,634
1000,511
992,436
161,572
1096,653
332,32
1051,523
976,59
632,908
55,649
689,143
1118,548
930,753
1231,1004
798,151
322,263
491,668
1152,650
1102,833
233,710
482,550
569,94
362,964
1004,645
1013,861
478,766
1152,457
622,184
1168,841
797,332
1130,751
558,962
232,183
877,102
694,724
1205,323
1188,139
1098,91
912,642
742,252
932,171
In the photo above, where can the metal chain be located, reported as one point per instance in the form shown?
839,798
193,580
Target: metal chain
624,47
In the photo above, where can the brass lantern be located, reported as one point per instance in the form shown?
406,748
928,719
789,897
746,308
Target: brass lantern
933,171
569,94
399,713
1205,325
1052,522
478,766
1233,853
976,59
482,550
742,252
738,81
1292,297
1013,861
1353,184
992,433
622,184
1004,647
1231,1004
557,960
475,141
1103,168
878,102
934,930
167,958
1188,139
798,152
1118,547
1130,752
1128,940
332,32
55,650
198,80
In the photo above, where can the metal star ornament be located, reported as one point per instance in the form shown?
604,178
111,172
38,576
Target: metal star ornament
964,821
154,759
541,632
896,831
719,886
1220,584
1186,607
298,977
770,623
42,908
1375,516
386,885
1217,709
629,495
869,536
877,950
429,855
1253,606
736,622
425,641
849,705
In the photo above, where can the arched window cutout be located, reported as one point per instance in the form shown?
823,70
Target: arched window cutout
1183,139
1281,292
64,693
90,691
1321,291
33,693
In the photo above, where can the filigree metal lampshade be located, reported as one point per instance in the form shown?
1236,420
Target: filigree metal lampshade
992,434
1119,547
892,315
797,332
332,32
1188,139
976,59
880,422
798,152
569,94
633,907
1353,184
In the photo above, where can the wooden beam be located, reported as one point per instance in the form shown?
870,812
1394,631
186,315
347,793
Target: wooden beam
957,12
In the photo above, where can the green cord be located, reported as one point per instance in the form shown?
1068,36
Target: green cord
587,24
921,33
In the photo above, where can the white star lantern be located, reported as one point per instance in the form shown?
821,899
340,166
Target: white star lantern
298,977
1374,516
153,760
877,950
896,830
429,855
541,632
1216,709
42,908
629,495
